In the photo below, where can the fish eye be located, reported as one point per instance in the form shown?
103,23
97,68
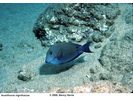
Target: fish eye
50,53
76,47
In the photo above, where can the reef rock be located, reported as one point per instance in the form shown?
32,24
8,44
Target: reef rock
70,22
117,55
117,58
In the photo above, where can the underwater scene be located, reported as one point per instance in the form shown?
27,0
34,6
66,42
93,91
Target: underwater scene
66,48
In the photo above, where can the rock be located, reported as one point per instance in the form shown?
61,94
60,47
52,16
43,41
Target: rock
94,78
116,57
129,18
98,46
128,79
1,45
24,74
105,76
94,70
129,36
69,22
98,37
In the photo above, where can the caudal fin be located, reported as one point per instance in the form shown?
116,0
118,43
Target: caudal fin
85,48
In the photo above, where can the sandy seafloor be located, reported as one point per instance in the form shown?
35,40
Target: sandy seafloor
22,48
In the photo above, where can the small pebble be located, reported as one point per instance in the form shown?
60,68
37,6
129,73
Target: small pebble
98,46
1,47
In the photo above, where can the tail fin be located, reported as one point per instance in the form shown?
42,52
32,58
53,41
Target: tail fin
85,48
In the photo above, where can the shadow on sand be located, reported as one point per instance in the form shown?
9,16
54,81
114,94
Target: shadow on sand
47,69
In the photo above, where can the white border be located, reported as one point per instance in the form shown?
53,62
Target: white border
66,95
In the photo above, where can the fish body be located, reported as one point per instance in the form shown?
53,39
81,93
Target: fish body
65,52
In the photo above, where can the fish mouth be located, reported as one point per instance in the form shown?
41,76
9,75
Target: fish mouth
46,62
50,61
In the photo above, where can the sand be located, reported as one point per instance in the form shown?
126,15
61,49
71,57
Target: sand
21,49
20,45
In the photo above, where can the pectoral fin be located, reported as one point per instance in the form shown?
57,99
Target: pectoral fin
60,54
